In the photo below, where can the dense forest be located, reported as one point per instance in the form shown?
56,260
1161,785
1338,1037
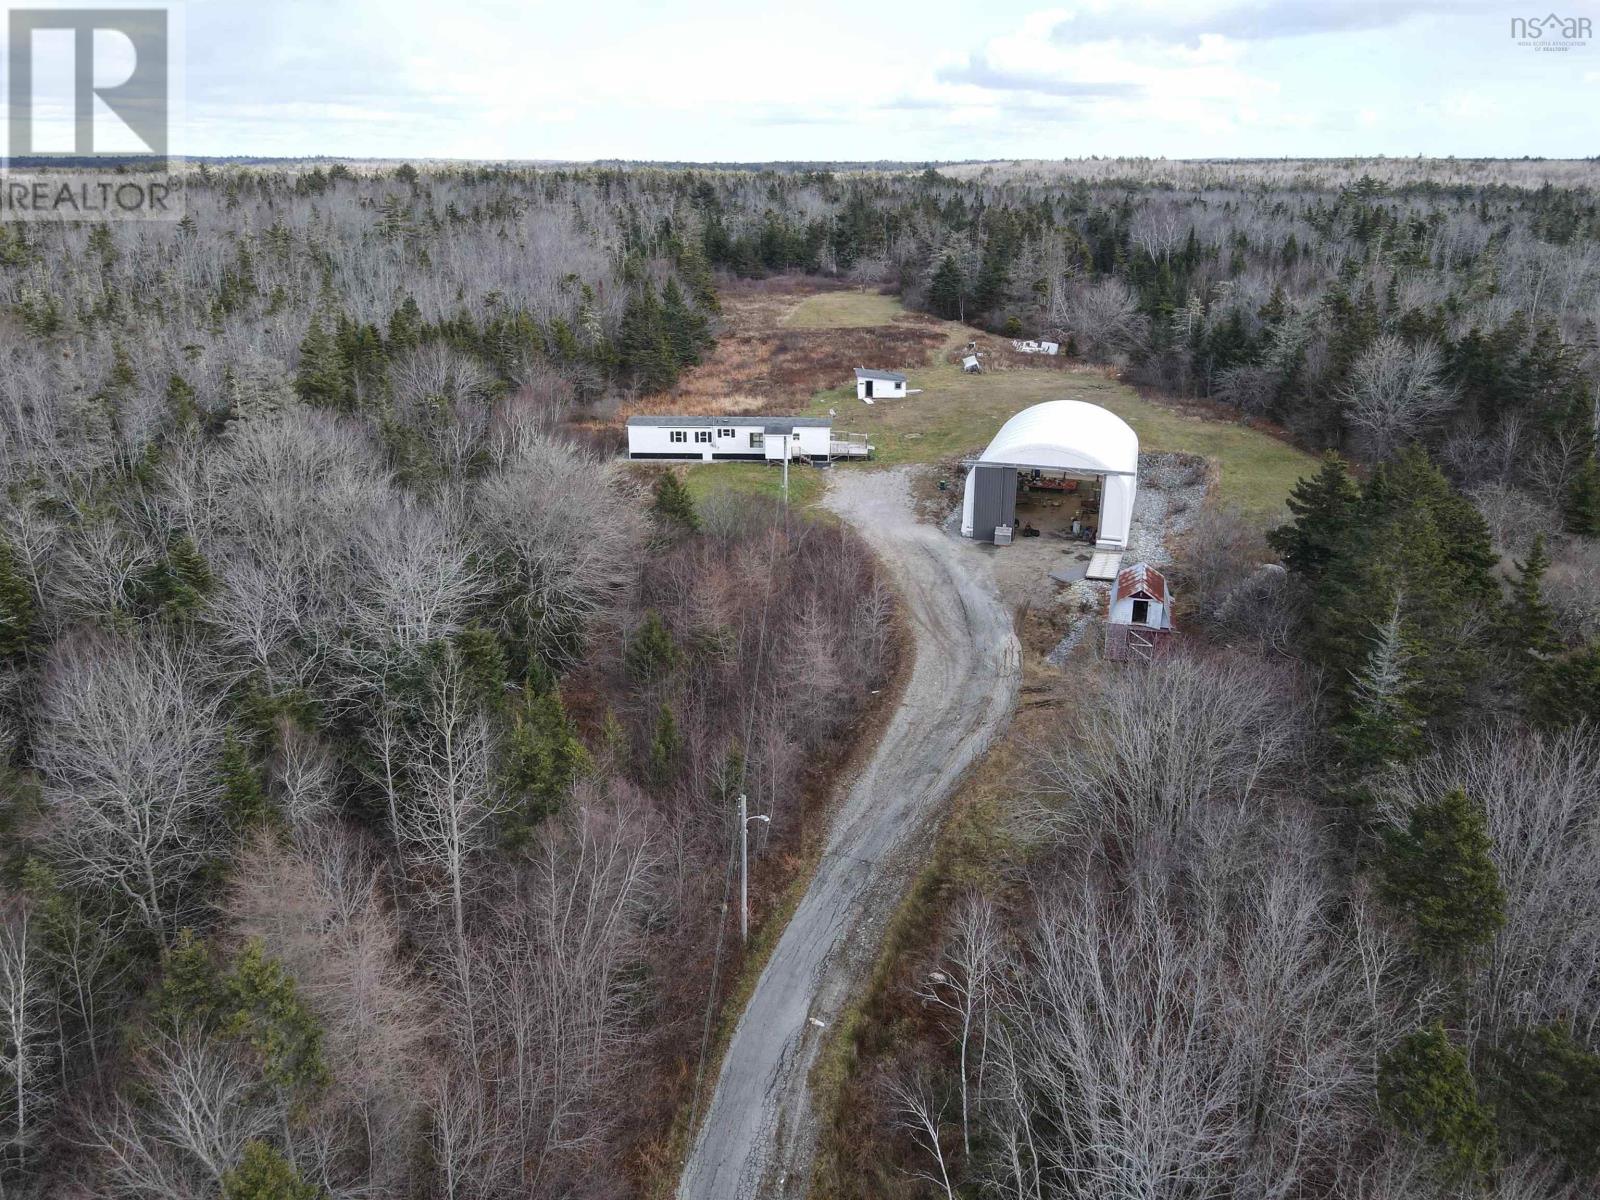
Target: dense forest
371,738
371,746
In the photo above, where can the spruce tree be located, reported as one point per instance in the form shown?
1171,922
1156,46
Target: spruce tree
543,756
262,1173
262,1006
651,651
665,745
1570,692
322,376
1324,507
245,805
1437,872
1426,1088
17,613
1546,1092
177,586
673,503
946,289
1580,510
1528,628
1382,727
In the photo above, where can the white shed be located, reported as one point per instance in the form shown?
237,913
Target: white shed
1058,441
879,385
1139,623
741,438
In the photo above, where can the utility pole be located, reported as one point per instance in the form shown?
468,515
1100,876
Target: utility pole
786,445
744,862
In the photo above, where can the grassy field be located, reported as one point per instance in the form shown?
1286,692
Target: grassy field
754,479
955,413
843,310
958,413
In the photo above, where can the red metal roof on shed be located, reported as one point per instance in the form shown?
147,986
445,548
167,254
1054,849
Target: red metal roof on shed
1142,578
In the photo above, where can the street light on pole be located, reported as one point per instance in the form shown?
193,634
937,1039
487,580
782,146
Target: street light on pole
744,865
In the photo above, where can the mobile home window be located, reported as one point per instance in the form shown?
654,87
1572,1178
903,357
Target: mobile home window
757,441
725,433
702,435
678,435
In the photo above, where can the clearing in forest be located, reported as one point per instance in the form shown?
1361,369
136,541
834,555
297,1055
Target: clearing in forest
790,346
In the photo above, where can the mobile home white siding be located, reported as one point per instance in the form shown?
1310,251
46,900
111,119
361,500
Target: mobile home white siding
728,439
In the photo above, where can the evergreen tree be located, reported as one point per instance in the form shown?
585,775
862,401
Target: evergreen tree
1580,510
1426,1088
543,756
190,989
1528,626
177,586
673,503
1411,540
651,652
1438,873
1324,507
946,291
1382,727
644,347
262,1007
1570,691
262,1173
665,745
1547,1095
245,804
181,402
685,329
322,376
17,614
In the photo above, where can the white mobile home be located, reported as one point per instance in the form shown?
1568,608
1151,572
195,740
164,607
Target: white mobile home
741,439
879,385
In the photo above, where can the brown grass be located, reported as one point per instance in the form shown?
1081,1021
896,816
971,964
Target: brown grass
762,363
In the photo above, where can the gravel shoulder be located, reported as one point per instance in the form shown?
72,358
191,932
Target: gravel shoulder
759,1133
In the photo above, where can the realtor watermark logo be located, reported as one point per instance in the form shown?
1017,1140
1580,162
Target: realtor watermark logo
91,106
1552,33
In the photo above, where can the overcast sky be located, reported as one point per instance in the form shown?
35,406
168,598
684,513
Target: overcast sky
896,79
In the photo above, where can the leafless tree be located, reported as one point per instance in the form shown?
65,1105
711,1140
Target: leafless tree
201,1106
126,751
25,1028
963,986
566,532
1103,317
920,1116
1153,745
1396,392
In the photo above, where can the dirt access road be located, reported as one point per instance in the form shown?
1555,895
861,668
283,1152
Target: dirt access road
759,1134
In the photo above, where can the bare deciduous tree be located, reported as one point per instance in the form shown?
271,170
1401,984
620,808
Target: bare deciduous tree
127,752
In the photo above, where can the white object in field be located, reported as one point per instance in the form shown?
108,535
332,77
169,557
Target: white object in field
866,400
1076,439
1002,535
873,384
970,363
1104,565
1049,347
817,1023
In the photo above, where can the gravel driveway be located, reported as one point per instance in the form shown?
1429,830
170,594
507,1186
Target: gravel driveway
759,1134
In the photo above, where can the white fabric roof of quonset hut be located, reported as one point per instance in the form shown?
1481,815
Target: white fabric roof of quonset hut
1066,435
1069,435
